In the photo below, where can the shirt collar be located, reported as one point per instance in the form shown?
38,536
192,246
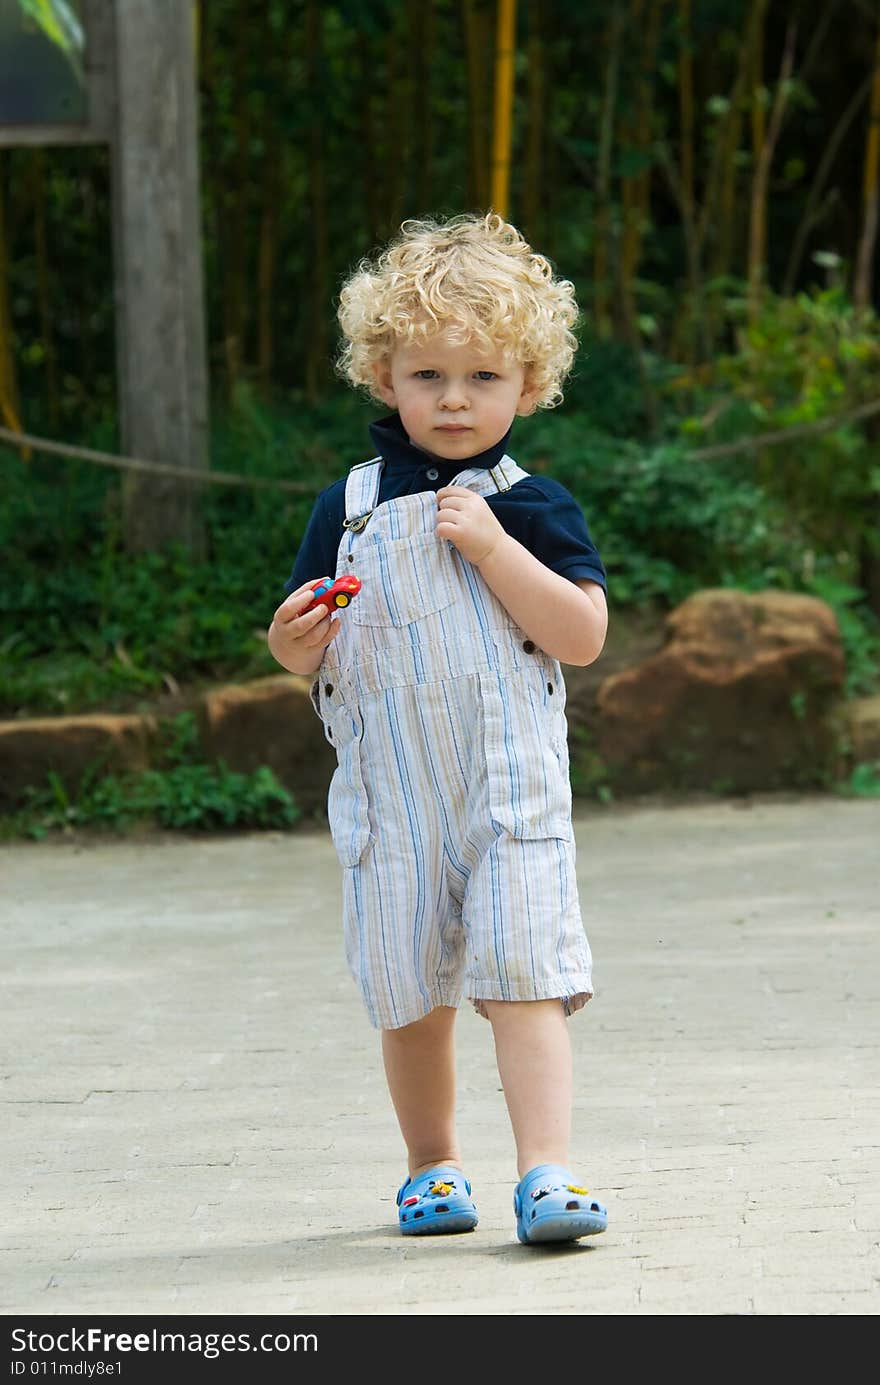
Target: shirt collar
394,447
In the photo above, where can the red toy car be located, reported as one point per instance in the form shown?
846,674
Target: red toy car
338,593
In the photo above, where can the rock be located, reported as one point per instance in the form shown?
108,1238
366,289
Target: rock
741,693
738,699
633,636
863,729
71,747
271,721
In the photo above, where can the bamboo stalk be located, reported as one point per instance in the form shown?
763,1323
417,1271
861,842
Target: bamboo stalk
317,344
235,276
686,108
38,173
502,130
9,402
423,28
534,140
603,250
820,177
758,223
476,76
865,257
368,160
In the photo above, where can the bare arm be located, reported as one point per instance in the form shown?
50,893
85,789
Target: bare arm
567,619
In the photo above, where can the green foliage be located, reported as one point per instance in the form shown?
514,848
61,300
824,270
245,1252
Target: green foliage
193,798
665,524
284,123
608,385
310,115
180,794
589,773
805,359
798,703
83,624
859,628
864,782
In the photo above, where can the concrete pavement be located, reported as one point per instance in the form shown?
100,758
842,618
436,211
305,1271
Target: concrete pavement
194,1118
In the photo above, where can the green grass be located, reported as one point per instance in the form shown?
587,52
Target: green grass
181,792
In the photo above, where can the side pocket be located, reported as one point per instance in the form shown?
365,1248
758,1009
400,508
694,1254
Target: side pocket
526,760
347,802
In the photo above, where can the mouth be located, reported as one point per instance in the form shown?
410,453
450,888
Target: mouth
453,428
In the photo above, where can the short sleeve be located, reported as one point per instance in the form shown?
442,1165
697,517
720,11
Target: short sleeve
318,551
547,520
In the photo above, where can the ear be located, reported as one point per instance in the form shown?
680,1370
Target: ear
382,373
528,396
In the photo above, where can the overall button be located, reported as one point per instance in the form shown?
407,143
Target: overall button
529,646
432,473
328,689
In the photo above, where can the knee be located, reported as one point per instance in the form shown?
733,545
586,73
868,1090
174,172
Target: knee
505,1013
440,1020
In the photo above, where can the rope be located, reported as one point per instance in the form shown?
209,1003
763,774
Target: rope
180,473
232,478
798,430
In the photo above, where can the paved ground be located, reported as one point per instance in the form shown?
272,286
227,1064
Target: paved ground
195,1120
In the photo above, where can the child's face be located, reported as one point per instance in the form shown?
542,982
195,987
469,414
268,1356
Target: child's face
453,399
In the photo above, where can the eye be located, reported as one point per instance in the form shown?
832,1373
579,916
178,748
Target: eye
425,374
486,375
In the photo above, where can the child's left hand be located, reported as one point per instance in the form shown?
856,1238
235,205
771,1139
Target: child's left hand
465,520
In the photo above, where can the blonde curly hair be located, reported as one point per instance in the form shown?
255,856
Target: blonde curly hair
473,277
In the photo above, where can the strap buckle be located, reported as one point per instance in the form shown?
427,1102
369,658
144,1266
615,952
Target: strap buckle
498,485
356,525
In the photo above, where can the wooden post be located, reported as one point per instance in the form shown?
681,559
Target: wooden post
505,43
163,389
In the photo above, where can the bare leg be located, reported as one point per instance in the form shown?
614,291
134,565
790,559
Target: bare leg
533,1050
420,1068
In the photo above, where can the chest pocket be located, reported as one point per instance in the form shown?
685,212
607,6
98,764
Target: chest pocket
403,580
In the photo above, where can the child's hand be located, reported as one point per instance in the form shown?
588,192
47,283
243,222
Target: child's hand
295,638
465,519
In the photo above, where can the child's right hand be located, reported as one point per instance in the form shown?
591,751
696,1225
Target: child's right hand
298,640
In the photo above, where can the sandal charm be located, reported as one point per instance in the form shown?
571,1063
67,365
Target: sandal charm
436,1201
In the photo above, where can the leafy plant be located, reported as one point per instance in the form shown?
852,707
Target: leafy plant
864,782
805,359
85,624
180,793
859,628
195,798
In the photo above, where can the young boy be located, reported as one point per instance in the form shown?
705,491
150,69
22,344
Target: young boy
441,691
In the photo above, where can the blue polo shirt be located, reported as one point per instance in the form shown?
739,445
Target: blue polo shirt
539,512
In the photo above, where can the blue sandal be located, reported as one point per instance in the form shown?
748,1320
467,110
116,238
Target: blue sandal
549,1206
436,1201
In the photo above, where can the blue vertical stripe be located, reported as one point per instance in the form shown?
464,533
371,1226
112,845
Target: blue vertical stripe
446,726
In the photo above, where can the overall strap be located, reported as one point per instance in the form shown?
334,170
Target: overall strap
491,480
362,492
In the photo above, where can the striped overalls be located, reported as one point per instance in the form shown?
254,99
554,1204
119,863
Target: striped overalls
450,807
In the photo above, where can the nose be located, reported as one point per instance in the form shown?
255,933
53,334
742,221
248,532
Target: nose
453,395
